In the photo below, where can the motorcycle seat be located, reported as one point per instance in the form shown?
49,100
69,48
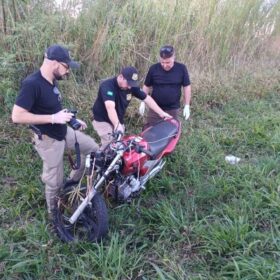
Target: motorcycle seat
159,136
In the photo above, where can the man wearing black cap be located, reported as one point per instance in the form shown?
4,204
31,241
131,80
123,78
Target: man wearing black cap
113,98
39,105
164,81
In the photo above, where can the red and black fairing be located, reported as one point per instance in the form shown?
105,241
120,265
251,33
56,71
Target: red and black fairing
153,143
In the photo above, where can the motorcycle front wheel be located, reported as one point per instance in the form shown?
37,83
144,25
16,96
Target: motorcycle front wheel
92,224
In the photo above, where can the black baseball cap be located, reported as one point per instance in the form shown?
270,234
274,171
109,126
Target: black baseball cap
166,51
60,54
131,75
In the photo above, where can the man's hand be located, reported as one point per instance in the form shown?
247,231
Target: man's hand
186,112
142,108
61,117
120,128
165,115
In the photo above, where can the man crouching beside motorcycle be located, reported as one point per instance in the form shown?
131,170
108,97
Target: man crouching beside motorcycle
113,98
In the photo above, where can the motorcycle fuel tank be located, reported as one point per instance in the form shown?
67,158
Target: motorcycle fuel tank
133,159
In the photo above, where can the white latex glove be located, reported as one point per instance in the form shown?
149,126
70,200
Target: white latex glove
61,117
186,112
142,108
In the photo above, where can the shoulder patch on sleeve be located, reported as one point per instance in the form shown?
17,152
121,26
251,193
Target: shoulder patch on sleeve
110,93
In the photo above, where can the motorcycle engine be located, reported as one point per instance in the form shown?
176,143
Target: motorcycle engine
128,187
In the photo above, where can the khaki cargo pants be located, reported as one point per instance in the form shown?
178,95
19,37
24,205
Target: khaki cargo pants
104,131
51,152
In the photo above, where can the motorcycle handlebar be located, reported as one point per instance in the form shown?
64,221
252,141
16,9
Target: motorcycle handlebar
147,152
140,149
117,135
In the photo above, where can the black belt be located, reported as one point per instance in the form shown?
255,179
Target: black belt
36,130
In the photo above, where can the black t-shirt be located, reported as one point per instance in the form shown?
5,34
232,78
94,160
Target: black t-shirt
110,90
40,97
167,84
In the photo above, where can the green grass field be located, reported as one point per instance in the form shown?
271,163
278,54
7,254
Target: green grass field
202,218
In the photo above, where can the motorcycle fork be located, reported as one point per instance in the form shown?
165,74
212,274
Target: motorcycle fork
94,189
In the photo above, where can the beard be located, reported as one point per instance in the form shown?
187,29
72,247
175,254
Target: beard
60,77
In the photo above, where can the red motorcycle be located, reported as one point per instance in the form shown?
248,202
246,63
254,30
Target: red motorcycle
118,173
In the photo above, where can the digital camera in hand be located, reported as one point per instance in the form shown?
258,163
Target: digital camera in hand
73,122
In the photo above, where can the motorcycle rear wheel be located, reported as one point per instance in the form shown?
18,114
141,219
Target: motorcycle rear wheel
92,225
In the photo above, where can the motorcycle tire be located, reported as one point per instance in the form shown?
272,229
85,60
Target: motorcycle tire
92,225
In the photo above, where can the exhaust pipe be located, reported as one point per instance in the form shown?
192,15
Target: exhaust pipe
152,173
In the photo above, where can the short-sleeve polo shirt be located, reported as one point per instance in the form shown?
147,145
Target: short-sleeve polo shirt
40,97
167,84
110,90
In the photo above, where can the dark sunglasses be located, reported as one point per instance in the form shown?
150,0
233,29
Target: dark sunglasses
57,92
166,52
66,66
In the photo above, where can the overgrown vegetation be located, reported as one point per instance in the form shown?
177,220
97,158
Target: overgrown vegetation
202,218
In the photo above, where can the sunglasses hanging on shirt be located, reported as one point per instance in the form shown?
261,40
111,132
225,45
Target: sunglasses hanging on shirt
57,92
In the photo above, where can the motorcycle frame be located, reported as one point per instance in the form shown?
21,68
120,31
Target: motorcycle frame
120,150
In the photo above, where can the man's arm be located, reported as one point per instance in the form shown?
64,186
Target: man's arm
142,104
146,89
187,98
112,114
22,116
153,105
187,94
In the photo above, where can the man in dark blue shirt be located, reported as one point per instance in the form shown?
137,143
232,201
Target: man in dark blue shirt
112,101
164,82
39,104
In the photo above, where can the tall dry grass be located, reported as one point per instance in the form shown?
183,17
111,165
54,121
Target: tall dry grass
216,39
105,35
